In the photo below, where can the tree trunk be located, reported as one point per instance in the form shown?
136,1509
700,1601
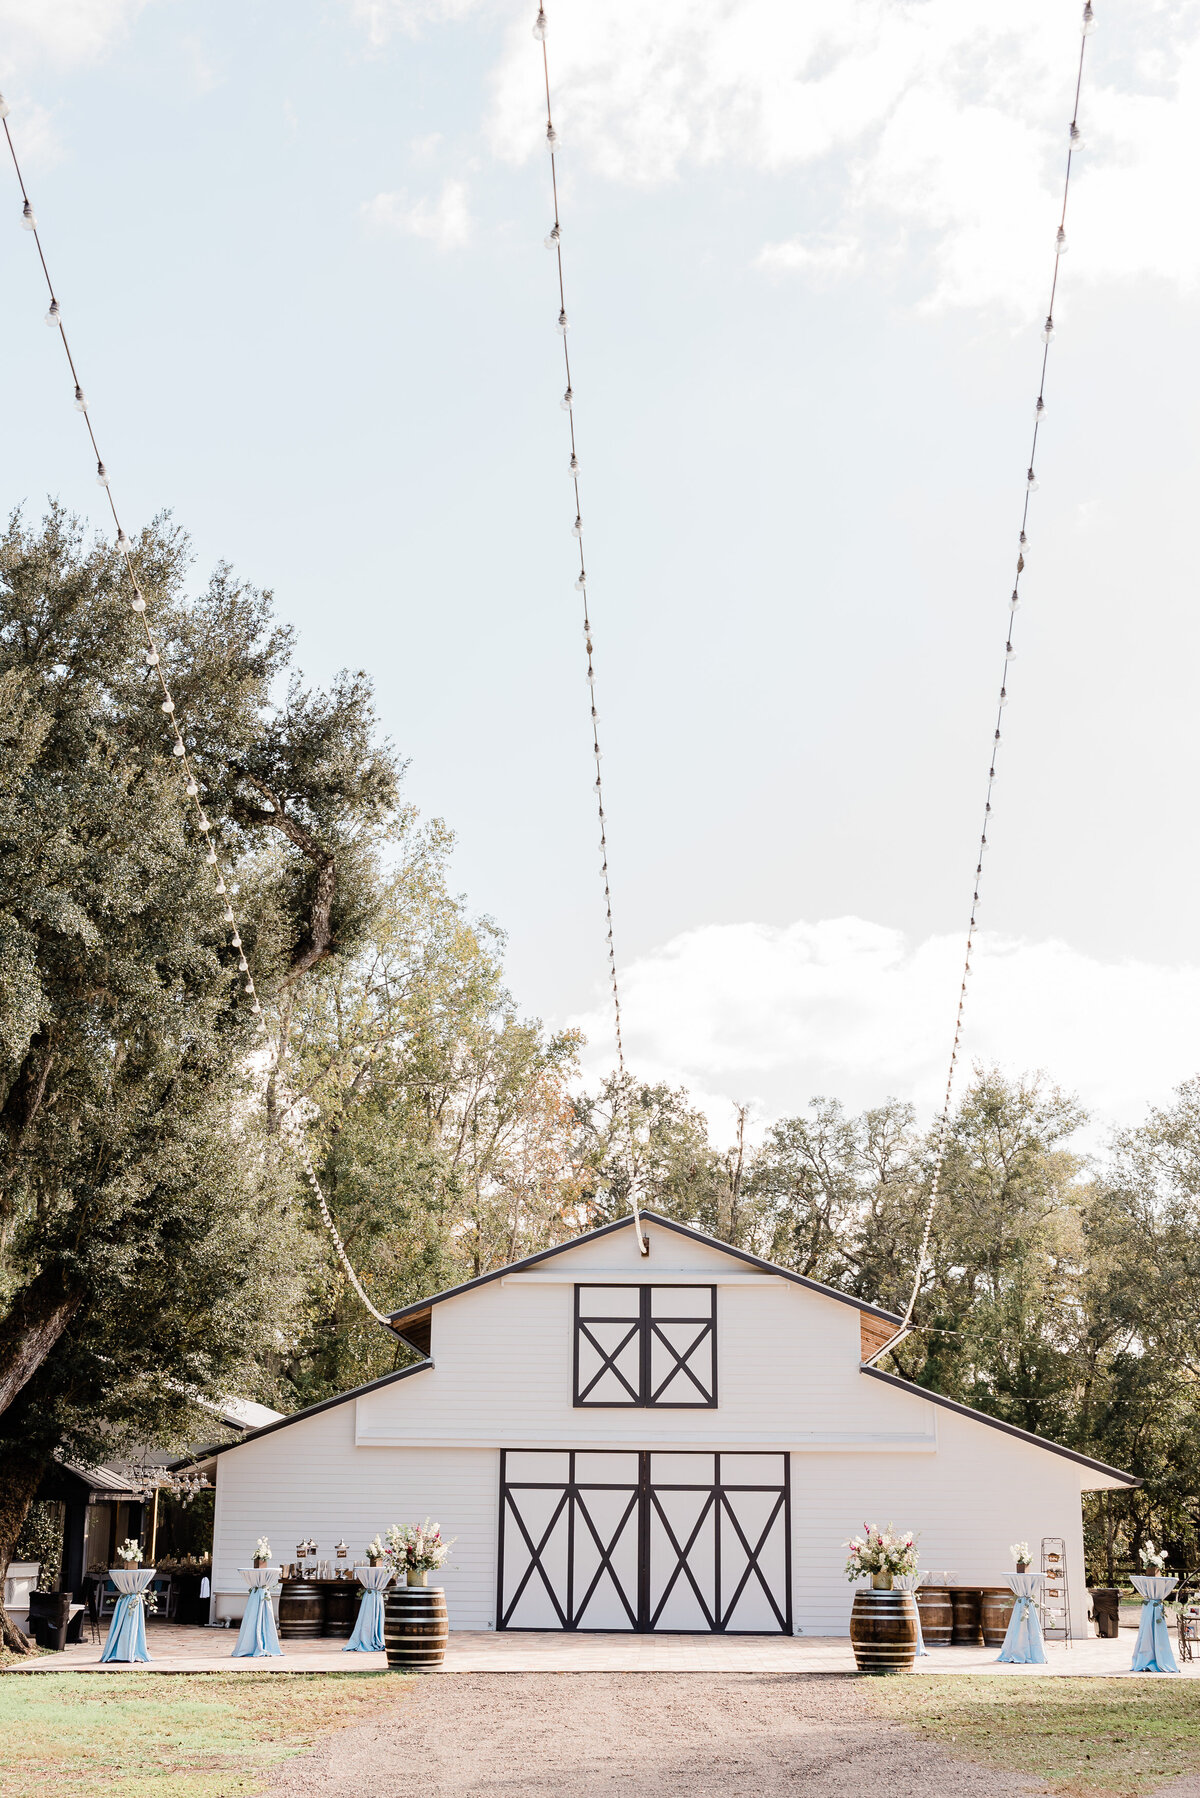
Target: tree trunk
20,1474
36,1319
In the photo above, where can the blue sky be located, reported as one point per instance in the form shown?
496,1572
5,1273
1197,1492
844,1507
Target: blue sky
299,251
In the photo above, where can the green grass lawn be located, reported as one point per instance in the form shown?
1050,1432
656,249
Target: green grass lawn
1117,1737
153,1735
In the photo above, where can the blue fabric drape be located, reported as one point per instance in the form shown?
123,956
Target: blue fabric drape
126,1638
258,1634
1023,1643
368,1629
1152,1651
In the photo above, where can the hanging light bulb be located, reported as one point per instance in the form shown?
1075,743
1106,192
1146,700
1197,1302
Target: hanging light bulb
220,884
577,527
1039,411
1031,481
1048,329
28,222
80,401
4,109
573,467
1009,651
191,789
567,400
563,327
1015,601
552,241
211,858
1060,242
151,657
168,706
203,823
243,964
1075,138
1004,696
539,25
178,749
552,139
138,603
123,543
101,475
1024,543
581,583
1089,20
54,316
227,914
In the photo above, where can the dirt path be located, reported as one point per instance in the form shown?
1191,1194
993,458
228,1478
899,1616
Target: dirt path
639,1735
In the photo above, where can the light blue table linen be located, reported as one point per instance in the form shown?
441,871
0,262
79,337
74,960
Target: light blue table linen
368,1630
1152,1650
258,1635
126,1638
1023,1643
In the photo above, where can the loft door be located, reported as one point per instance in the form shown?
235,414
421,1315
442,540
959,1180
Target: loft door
609,1540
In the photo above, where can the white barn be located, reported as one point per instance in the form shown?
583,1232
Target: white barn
678,1441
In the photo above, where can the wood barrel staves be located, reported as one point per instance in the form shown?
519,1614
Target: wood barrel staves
937,1615
994,1613
341,1608
966,1631
883,1631
301,1610
415,1628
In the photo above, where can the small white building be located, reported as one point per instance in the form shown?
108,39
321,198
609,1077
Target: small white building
678,1441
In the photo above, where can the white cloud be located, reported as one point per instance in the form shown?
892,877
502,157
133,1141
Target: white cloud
944,119
69,30
823,260
853,1010
445,221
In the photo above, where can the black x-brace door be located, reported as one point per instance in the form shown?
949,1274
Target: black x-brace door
647,1541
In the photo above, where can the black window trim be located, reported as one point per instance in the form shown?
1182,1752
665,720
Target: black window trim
646,1327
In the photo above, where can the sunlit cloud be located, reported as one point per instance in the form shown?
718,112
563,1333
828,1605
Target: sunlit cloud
444,221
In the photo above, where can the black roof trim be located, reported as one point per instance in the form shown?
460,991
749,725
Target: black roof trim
281,1423
626,1223
997,1423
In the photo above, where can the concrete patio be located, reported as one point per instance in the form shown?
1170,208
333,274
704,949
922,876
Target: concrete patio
176,1649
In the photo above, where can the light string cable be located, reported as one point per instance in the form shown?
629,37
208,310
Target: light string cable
154,662
942,1127
554,242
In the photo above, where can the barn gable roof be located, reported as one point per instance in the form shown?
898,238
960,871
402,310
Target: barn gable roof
997,1423
413,1322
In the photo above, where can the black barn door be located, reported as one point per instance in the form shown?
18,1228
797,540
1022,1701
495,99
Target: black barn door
613,1540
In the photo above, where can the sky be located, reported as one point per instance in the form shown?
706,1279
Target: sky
808,247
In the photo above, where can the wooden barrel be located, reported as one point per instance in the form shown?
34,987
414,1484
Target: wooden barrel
966,1632
883,1631
341,1608
994,1613
937,1615
415,1628
301,1610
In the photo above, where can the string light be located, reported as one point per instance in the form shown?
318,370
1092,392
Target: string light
942,1125
554,242
179,750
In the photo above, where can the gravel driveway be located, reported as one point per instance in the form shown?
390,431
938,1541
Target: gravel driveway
639,1735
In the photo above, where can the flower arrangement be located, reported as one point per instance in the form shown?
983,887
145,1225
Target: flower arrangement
262,1552
130,1552
1021,1555
882,1553
416,1549
375,1551
1154,1560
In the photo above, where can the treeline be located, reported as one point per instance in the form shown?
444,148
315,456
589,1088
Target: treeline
156,1245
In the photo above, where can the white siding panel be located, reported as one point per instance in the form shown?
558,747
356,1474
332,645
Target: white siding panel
310,1480
982,1491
